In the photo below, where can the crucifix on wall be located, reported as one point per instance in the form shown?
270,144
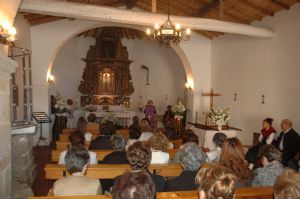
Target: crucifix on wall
211,95
147,70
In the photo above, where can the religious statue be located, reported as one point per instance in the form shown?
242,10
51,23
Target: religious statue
150,112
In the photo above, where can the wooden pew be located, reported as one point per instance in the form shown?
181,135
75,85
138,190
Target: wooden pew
110,171
246,193
61,146
100,154
69,131
65,138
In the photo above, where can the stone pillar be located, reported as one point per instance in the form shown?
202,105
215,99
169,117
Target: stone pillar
23,167
7,66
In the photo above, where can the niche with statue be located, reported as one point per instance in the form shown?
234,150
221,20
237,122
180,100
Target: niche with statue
106,78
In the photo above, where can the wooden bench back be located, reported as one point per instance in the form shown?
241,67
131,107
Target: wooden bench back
61,146
100,154
110,171
69,131
246,193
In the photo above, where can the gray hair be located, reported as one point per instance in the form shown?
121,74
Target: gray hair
219,139
76,158
118,142
270,153
191,157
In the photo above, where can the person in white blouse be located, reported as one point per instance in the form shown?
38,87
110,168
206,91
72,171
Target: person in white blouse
159,144
146,131
218,140
76,139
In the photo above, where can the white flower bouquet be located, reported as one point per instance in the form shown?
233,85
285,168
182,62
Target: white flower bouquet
219,116
60,106
178,108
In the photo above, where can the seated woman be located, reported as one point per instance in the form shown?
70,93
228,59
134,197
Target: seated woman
134,134
287,185
76,139
102,141
135,121
191,158
218,140
118,156
233,158
266,137
188,136
139,158
146,131
159,146
216,181
82,126
77,183
134,185
92,121
272,168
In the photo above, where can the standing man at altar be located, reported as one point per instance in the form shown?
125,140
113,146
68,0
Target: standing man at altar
150,112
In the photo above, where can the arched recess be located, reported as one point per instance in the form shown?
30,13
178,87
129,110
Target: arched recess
56,35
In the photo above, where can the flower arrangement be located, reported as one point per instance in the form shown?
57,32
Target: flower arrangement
110,116
60,106
219,116
178,108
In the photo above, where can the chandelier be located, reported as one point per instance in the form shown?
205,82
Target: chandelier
168,33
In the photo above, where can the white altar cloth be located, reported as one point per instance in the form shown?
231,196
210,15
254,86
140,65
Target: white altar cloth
124,117
206,136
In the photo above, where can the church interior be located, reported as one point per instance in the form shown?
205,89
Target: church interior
174,72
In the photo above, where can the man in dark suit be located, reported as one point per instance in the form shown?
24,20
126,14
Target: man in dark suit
102,142
287,142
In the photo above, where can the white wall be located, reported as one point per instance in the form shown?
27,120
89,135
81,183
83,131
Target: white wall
252,67
167,75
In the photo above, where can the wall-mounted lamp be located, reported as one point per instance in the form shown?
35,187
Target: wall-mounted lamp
188,86
50,79
7,33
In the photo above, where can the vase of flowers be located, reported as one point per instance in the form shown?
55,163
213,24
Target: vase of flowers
219,116
60,107
178,109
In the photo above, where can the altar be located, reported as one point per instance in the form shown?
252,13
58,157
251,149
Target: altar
206,134
121,117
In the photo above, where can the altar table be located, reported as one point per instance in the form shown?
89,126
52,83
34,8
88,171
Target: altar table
206,135
124,117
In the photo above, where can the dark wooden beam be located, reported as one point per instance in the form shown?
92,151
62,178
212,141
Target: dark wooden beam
206,8
256,7
281,4
130,4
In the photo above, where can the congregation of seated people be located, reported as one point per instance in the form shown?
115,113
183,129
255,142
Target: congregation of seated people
215,173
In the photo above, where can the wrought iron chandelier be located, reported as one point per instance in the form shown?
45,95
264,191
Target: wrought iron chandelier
168,33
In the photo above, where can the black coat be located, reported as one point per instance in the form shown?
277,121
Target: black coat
116,157
101,143
291,143
184,182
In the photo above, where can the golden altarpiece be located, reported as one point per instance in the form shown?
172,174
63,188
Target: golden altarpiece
106,79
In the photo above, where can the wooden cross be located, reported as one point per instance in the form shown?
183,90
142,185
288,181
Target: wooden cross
211,95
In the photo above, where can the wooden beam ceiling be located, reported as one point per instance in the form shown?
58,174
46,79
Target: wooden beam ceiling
239,11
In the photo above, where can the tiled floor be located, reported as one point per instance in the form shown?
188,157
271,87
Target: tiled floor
42,156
